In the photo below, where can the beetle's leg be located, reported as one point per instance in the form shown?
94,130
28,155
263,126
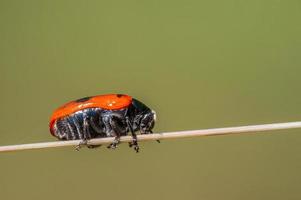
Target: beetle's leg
91,124
97,126
70,129
84,136
87,133
117,130
84,142
94,128
74,126
134,142
115,143
81,144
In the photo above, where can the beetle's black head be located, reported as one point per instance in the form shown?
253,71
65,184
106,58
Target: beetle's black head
142,117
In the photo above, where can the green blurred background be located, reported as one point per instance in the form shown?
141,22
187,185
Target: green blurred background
199,64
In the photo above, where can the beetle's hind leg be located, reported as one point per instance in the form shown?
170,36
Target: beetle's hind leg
81,144
86,136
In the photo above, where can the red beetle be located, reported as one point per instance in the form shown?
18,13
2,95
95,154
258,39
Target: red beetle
110,115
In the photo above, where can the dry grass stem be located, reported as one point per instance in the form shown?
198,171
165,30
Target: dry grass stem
160,136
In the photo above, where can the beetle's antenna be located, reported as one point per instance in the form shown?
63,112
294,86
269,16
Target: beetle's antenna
160,136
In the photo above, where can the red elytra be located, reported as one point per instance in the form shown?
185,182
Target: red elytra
107,102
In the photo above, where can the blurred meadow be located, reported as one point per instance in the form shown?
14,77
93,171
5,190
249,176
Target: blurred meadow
199,64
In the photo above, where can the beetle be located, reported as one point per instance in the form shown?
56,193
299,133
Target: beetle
109,115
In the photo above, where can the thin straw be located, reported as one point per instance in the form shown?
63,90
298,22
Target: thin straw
159,136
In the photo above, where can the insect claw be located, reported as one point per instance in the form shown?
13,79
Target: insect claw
130,144
136,148
112,146
114,143
80,144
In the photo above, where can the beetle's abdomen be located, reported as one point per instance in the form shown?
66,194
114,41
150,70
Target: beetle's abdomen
84,124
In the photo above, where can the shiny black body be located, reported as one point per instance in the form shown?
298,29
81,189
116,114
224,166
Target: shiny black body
98,122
